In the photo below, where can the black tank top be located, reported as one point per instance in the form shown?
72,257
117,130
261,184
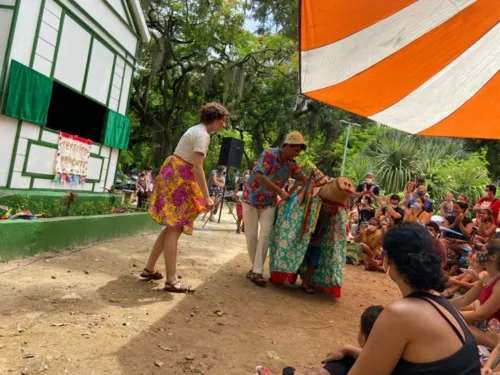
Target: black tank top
463,362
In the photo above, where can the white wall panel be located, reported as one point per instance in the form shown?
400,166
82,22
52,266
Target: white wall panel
42,65
19,181
8,2
118,6
19,163
50,19
53,7
48,33
95,28
29,131
94,149
41,183
115,93
8,129
99,75
95,166
50,137
106,18
110,181
45,49
41,159
5,22
72,55
127,80
27,21
105,152
113,104
22,146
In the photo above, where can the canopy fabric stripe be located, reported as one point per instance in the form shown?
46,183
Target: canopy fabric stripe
427,67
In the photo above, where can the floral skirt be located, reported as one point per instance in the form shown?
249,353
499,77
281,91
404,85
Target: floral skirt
177,199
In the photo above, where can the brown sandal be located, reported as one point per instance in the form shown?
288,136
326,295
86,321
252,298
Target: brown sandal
179,286
258,279
148,275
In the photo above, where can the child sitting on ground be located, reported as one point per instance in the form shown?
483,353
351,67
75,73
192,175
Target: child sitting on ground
455,252
467,279
340,360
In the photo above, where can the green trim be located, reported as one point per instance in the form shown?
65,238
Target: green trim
87,67
37,33
121,90
107,169
57,190
130,90
5,66
14,153
88,28
117,161
124,22
51,130
58,43
111,83
129,15
51,176
12,7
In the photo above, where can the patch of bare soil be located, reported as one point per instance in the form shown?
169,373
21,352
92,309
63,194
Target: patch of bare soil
88,312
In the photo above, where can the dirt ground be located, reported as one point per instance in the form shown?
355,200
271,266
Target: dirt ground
87,312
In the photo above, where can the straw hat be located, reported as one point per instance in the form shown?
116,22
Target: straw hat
295,138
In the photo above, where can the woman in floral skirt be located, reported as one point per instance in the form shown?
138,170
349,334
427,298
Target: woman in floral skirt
181,194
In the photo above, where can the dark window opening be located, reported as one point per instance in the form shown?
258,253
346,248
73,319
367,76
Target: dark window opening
75,114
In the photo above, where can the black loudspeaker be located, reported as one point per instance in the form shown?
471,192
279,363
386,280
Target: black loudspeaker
231,152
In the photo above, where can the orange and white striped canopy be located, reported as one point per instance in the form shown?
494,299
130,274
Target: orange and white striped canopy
428,67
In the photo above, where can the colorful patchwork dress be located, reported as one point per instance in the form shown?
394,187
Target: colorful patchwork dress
295,222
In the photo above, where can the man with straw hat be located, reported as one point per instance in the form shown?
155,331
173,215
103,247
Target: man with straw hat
267,181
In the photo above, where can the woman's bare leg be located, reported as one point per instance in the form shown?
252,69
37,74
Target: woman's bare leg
170,243
156,251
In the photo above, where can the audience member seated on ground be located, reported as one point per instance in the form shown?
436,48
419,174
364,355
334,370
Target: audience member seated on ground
354,219
485,226
421,333
389,213
454,253
446,208
339,360
458,223
489,200
467,279
370,238
417,213
408,192
367,211
438,245
492,365
487,292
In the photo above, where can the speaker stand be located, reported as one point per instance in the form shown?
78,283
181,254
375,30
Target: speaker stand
221,206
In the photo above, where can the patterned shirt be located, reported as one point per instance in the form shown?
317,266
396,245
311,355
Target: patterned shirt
278,171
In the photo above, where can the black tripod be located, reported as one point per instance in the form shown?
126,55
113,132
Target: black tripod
220,205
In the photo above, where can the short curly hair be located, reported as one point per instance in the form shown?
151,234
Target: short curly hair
211,112
409,246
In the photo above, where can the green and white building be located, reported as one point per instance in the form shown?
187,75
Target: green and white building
65,65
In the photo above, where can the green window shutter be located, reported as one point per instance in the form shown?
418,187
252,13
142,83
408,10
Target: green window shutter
117,132
29,94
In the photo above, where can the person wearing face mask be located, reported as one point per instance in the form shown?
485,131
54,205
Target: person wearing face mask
368,188
486,291
421,192
389,210
421,333
417,213
370,238
489,200
366,212
458,223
